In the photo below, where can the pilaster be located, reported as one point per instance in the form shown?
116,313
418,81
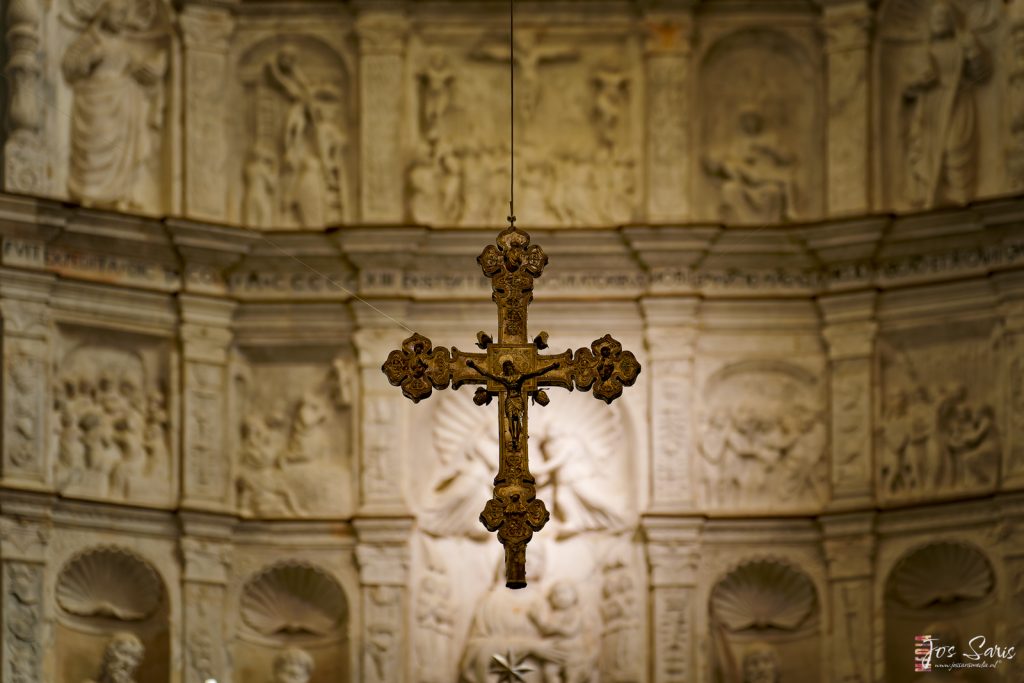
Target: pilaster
848,51
26,339
668,70
849,330
671,329
381,55
206,553
206,339
382,553
850,551
25,161
1010,291
206,35
672,553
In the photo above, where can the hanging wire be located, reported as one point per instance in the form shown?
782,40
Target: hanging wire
511,114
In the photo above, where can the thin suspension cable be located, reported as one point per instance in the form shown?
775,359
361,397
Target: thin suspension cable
511,113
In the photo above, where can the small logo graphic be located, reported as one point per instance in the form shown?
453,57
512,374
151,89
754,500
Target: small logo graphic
923,653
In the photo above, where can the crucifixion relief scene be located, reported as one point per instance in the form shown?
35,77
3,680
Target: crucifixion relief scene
532,341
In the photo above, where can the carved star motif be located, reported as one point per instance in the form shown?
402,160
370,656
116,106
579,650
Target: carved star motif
510,668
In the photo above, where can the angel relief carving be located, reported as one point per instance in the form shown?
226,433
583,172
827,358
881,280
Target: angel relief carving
111,428
116,68
292,459
577,446
296,172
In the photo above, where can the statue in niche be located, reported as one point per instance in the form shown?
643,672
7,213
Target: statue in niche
305,184
260,188
620,614
761,664
116,68
294,665
940,111
112,439
121,658
764,445
756,173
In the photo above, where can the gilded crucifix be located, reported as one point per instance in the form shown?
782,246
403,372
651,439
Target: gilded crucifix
514,371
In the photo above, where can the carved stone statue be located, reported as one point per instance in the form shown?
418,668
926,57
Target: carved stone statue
120,659
566,657
761,664
260,188
756,174
116,68
294,665
940,111
435,621
435,80
621,649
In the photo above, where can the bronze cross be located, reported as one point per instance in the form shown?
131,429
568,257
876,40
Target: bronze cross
513,370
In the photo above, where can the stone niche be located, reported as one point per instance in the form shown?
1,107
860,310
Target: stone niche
762,438
113,112
939,107
292,613
939,413
113,428
111,609
946,590
583,610
294,145
765,625
293,435
760,133
578,127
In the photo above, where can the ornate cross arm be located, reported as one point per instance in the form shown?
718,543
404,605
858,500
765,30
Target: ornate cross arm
419,367
605,368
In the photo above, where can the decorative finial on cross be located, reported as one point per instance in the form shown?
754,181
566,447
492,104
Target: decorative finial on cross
511,216
512,370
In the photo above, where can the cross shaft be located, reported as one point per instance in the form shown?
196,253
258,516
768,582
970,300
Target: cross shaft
513,370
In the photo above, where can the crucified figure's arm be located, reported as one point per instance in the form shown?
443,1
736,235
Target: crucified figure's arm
538,373
497,378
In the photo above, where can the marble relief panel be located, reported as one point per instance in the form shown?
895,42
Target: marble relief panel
577,120
583,610
938,101
760,129
938,425
294,147
763,438
293,439
112,425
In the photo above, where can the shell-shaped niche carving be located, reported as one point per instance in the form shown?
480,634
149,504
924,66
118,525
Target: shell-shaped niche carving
761,595
293,599
941,574
109,582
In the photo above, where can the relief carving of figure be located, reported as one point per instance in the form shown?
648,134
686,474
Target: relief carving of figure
435,620
261,490
756,173
112,438
260,188
621,649
121,658
116,68
940,111
294,665
565,654
761,664
435,81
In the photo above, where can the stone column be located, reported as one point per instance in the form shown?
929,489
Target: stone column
383,556
26,339
206,553
205,342
671,329
382,172
850,331
380,413
26,637
672,551
669,153
206,33
24,152
849,550
848,49
1010,288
